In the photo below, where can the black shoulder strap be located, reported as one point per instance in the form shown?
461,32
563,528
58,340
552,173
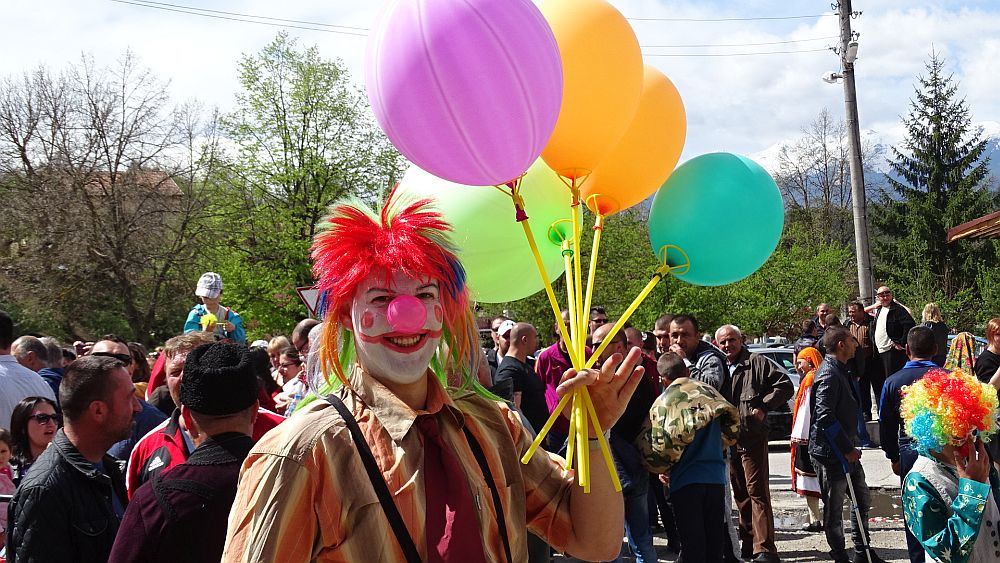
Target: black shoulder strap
378,482
477,451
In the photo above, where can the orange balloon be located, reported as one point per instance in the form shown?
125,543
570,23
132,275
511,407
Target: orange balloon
646,155
602,79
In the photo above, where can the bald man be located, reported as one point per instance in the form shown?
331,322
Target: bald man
526,390
755,387
631,471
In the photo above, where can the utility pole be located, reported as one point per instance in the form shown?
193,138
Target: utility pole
848,52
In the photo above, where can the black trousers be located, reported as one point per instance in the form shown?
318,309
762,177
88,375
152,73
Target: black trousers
892,361
699,530
872,377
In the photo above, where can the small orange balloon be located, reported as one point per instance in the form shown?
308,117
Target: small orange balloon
646,155
602,79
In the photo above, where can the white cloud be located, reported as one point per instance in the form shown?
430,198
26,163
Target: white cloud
739,104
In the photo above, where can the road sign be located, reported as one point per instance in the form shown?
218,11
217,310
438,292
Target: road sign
309,296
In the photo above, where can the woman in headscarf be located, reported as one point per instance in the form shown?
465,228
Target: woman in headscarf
804,479
962,354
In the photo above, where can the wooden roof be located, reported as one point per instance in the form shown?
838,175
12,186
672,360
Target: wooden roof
987,226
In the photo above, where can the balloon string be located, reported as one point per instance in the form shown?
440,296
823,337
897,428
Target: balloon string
605,450
610,336
598,229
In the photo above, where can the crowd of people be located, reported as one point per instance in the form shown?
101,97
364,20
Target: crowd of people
407,435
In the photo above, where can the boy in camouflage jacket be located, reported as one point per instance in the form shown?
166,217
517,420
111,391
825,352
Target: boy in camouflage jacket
690,425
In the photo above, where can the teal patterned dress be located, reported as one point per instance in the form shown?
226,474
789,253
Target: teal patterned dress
956,520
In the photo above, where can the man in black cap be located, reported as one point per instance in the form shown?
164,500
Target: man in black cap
180,515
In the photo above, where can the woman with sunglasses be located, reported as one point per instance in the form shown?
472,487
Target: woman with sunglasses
33,424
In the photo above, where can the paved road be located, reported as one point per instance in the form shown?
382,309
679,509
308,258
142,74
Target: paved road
885,522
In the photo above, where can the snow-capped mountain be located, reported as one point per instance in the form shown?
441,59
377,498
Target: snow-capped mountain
769,157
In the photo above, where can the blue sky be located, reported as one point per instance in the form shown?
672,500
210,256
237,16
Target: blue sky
741,104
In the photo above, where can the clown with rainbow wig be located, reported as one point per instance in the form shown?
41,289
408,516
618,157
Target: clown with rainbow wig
408,458
950,495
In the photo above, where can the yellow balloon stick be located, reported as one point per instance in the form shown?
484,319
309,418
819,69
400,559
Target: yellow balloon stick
568,252
598,229
571,439
583,450
660,272
574,359
605,450
546,427
581,316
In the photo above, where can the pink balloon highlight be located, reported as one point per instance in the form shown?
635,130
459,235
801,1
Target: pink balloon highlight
468,90
406,313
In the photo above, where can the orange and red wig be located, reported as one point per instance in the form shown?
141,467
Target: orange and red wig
409,236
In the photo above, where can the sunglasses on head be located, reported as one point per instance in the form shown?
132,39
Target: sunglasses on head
123,358
43,418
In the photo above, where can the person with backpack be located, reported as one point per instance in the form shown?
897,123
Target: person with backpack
211,316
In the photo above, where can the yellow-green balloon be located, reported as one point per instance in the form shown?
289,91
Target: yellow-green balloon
492,245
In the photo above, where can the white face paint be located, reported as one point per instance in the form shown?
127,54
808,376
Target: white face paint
387,352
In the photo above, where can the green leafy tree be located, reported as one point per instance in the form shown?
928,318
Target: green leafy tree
771,301
304,138
940,180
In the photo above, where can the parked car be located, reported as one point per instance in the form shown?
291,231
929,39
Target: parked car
780,420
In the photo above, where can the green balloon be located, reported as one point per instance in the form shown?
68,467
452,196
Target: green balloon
721,213
492,246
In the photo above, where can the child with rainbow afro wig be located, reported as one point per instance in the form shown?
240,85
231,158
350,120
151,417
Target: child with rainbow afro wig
950,495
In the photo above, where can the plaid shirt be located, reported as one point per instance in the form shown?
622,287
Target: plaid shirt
304,494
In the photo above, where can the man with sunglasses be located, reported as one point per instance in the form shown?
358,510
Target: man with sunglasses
68,507
893,322
598,317
112,346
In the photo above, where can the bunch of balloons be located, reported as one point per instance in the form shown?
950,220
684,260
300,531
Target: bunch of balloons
516,116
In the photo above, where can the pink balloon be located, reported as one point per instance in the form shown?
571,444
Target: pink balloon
468,90
406,314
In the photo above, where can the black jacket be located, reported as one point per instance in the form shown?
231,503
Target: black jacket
63,510
897,324
833,427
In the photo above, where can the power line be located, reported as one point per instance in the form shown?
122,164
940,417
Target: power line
730,19
191,11
252,16
732,54
362,32
743,44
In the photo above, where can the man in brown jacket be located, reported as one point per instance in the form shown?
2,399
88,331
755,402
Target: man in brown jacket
755,386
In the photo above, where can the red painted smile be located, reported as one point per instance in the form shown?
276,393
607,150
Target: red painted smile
400,342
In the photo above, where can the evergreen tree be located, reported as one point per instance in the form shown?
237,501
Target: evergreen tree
939,181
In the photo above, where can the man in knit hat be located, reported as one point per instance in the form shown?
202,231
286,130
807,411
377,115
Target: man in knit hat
181,515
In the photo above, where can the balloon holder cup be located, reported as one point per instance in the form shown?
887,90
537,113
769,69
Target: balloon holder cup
574,178
602,205
561,231
674,259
